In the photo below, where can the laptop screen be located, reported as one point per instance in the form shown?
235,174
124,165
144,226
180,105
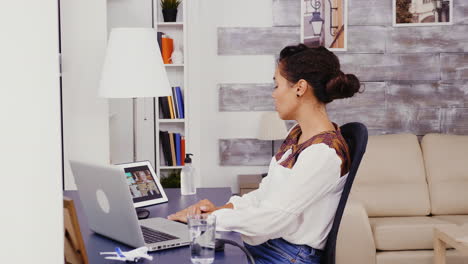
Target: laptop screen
142,184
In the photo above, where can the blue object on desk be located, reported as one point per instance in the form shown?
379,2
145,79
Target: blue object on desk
95,243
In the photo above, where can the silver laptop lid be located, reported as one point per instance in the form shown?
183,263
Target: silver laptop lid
107,202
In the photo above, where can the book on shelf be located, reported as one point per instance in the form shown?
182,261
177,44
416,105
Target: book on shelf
159,36
171,107
177,148
164,105
176,103
180,100
172,143
166,147
174,106
182,150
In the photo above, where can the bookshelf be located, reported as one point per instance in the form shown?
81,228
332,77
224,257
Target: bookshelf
178,76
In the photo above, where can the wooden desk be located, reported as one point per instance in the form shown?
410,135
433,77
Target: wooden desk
448,235
96,243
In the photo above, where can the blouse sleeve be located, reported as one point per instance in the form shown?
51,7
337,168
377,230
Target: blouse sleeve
314,174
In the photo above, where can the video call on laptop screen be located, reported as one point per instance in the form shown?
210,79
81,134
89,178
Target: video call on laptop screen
142,184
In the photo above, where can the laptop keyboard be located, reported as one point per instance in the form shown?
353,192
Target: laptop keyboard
153,236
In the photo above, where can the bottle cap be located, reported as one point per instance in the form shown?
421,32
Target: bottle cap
187,158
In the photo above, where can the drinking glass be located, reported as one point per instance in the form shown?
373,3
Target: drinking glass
202,229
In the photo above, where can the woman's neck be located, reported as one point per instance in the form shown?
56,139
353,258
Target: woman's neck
313,120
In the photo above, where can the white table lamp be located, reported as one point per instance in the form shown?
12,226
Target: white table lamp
272,128
133,68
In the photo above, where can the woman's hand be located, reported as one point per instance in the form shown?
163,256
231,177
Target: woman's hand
202,207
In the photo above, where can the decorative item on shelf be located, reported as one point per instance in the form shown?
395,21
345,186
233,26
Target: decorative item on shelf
169,9
167,45
133,68
177,56
272,128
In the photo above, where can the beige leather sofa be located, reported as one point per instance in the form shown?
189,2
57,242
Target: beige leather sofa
403,190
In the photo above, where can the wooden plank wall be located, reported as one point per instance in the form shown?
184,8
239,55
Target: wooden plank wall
415,78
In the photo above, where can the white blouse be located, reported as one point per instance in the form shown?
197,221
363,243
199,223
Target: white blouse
297,204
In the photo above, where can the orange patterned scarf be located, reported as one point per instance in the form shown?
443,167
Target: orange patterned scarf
332,138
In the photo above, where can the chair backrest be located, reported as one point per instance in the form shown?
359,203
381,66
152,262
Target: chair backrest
356,136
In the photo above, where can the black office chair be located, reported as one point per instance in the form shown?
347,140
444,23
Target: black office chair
355,135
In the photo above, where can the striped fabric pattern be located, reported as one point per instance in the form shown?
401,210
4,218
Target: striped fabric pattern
331,138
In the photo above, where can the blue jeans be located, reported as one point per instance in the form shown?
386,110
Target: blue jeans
280,251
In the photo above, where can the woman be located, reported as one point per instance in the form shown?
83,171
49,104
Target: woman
288,218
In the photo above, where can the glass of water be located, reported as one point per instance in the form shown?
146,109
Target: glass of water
202,229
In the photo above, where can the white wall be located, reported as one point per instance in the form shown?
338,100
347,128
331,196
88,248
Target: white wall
207,70
85,116
30,141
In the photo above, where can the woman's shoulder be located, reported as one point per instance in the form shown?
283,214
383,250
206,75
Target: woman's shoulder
332,140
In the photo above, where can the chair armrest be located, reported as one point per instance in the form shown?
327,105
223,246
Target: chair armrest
355,243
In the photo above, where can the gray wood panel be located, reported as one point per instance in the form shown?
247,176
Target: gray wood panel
428,39
460,12
256,40
246,97
245,152
373,118
286,13
419,121
455,121
367,39
370,12
372,96
428,94
391,120
392,67
454,66
238,97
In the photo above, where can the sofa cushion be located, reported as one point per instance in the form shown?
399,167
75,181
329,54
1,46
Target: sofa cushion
391,179
446,161
404,233
455,219
418,257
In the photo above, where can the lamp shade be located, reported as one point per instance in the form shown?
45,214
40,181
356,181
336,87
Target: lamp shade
133,65
272,127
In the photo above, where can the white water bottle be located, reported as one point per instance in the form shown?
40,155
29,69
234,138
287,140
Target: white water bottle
187,177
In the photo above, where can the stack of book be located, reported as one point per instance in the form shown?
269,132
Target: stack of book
173,148
172,107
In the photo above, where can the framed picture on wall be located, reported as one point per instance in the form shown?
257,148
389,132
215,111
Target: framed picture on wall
408,13
324,23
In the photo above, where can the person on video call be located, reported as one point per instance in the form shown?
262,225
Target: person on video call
288,218
150,187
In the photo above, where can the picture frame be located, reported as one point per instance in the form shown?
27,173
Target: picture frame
411,13
74,248
325,23
145,191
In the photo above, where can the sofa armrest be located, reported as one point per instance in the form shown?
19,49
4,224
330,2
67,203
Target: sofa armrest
355,243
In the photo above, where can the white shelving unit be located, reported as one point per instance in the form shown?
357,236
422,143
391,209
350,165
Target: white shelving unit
178,76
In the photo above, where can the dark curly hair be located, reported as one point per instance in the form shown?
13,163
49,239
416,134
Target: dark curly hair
321,69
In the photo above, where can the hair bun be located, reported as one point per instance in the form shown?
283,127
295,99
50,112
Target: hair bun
342,86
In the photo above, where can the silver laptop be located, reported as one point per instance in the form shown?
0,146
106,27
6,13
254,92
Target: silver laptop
109,208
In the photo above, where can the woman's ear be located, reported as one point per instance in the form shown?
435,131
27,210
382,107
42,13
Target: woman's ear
301,87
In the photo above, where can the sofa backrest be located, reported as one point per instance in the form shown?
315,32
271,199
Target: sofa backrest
446,161
391,180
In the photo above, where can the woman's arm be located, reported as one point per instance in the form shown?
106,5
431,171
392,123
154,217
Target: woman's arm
315,174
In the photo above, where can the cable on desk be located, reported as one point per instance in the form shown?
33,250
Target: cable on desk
247,253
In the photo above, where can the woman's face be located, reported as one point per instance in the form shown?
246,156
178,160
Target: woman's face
285,97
